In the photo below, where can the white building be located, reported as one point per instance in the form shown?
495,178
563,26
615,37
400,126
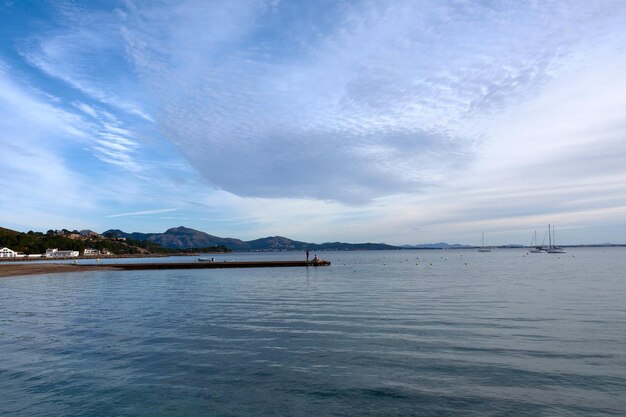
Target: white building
91,252
7,253
55,253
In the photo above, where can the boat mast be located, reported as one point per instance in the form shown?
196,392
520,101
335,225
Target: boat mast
549,236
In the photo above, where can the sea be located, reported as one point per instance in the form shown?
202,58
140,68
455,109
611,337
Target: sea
377,333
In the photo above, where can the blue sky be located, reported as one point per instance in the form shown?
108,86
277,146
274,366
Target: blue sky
382,121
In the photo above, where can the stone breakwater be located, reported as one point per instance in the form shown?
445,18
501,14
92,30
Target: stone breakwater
218,265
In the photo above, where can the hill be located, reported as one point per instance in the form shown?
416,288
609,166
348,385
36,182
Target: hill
186,238
180,238
37,242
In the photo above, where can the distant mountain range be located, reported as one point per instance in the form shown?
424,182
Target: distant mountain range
186,238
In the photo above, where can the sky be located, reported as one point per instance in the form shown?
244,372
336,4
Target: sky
395,121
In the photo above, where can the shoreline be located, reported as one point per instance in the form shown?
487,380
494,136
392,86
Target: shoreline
121,256
13,270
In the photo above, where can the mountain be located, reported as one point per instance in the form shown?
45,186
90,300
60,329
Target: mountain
180,238
88,232
140,237
276,243
183,237
186,238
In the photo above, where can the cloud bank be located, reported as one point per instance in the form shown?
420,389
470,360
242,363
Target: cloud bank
376,101
346,102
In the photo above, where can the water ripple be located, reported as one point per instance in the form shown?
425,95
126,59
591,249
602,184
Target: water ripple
374,334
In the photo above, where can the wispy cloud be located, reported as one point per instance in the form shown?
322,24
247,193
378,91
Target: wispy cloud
33,138
87,53
114,145
144,213
51,178
382,99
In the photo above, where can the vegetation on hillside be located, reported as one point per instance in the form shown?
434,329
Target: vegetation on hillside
37,242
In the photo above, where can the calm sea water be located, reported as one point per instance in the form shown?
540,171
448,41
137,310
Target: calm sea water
424,333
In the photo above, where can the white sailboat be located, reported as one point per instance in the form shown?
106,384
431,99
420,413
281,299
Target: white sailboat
553,248
482,247
534,245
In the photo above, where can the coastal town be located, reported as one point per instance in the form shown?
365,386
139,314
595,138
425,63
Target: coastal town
74,244
7,253
63,244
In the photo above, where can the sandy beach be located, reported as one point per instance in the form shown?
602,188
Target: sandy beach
12,269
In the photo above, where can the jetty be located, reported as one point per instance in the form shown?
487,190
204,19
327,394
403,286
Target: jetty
215,265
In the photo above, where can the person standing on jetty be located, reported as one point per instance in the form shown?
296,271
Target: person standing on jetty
307,255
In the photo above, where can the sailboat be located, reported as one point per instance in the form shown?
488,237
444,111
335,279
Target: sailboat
553,248
482,247
534,245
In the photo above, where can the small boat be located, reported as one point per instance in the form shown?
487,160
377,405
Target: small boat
556,249
206,259
534,245
482,247
553,248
